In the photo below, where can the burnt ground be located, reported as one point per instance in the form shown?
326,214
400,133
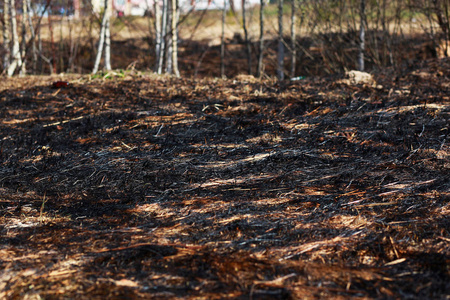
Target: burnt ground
172,188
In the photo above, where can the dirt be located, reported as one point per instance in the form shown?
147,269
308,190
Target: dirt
147,186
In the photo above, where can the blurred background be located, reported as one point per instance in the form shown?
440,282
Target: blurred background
216,38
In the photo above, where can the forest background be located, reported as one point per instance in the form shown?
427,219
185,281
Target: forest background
286,39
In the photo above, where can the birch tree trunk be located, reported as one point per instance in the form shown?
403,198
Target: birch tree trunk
261,39
175,70
293,37
108,40
6,35
101,42
168,37
15,53
362,35
162,49
246,38
280,53
158,36
23,45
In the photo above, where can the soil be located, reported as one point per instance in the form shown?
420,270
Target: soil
179,188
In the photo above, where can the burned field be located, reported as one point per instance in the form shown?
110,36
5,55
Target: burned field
180,188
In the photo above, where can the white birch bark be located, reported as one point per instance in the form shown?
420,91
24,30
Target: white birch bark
158,18
108,40
23,45
6,34
168,54
175,70
101,42
362,35
15,53
163,36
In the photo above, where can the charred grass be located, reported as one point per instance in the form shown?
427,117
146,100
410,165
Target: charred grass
181,188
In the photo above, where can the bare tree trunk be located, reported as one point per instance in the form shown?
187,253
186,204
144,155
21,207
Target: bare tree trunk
39,46
246,38
158,36
23,45
362,34
52,61
72,47
222,40
33,36
101,42
39,41
163,37
6,34
61,49
261,39
293,37
175,38
446,9
108,40
16,59
166,27
168,37
280,53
